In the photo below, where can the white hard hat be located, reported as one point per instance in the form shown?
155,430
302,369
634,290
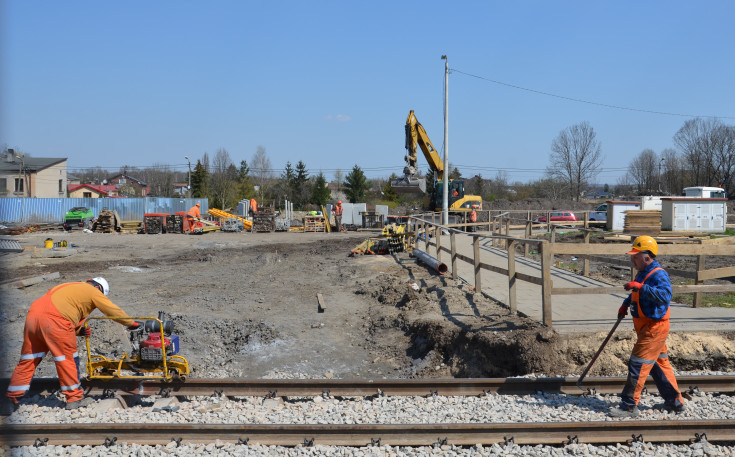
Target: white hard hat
102,282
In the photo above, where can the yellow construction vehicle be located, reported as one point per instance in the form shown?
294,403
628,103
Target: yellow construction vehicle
412,183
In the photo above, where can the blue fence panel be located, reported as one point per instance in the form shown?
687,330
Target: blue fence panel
51,210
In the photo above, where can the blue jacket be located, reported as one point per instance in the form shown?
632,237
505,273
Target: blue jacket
655,295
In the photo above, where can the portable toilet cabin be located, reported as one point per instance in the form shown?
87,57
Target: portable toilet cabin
683,214
616,213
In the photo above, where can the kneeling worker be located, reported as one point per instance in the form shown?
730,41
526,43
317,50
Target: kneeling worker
52,325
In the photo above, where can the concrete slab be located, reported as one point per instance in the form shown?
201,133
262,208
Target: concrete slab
570,313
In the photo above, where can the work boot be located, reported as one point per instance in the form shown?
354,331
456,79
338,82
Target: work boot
8,406
86,401
624,410
675,407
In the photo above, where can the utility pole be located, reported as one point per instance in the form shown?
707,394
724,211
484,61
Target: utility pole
188,187
445,184
659,174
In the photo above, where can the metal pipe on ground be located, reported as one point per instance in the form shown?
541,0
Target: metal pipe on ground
433,262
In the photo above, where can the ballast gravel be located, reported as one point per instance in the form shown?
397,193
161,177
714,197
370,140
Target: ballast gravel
488,408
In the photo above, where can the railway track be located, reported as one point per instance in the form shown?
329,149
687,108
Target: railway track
388,387
556,433
544,433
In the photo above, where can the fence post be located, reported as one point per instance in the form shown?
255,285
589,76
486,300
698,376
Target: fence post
426,236
546,256
698,295
476,252
438,238
512,277
454,254
529,231
586,261
507,231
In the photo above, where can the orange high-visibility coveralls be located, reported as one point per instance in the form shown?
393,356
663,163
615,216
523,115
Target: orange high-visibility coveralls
51,326
194,211
253,206
650,356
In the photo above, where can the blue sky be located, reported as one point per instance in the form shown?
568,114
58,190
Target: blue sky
331,82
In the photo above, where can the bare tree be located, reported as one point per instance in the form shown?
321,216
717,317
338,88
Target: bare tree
695,140
643,171
576,156
671,171
723,145
339,178
260,167
223,180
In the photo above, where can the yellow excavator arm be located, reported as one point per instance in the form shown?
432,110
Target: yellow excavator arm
417,136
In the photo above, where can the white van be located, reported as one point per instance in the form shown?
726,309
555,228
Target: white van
704,192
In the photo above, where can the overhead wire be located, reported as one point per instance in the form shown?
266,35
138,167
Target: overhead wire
579,100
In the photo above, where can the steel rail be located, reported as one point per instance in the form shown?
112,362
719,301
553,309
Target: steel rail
387,387
546,433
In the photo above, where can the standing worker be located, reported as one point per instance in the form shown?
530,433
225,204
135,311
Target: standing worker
649,304
52,324
338,215
473,218
253,206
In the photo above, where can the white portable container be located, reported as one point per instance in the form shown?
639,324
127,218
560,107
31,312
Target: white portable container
683,214
616,214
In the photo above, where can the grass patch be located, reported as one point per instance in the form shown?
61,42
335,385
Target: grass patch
713,300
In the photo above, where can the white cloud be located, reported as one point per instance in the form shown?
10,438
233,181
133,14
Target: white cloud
338,118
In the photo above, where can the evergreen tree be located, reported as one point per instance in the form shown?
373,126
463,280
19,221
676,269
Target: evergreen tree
300,185
387,190
245,186
200,181
356,185
288,181
320,193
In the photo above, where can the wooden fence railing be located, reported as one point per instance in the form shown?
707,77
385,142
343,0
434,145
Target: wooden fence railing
427,228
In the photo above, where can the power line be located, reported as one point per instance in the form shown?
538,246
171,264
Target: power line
579,100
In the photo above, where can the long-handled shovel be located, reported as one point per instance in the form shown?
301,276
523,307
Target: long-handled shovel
599,351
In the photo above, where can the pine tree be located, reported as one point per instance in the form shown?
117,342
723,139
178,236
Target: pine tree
356,185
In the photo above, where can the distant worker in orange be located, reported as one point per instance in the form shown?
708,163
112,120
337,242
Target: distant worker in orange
193,215
253,206
195,212
473,218
455,193
338,215
52,324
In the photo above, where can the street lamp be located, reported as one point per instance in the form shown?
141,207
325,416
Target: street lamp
188,187
23,169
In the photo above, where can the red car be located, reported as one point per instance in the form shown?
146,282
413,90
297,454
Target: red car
557,216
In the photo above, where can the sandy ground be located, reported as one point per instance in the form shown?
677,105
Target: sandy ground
245,305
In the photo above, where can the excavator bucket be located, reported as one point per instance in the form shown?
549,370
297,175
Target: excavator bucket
407,185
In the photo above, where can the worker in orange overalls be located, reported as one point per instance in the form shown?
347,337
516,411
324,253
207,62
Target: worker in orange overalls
253,206
338,215
52,325
193,215
649,305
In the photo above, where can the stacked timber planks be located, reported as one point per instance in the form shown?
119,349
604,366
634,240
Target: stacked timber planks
642,221
106,221
131,226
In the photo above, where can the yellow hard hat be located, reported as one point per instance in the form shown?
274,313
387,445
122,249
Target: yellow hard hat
644,243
